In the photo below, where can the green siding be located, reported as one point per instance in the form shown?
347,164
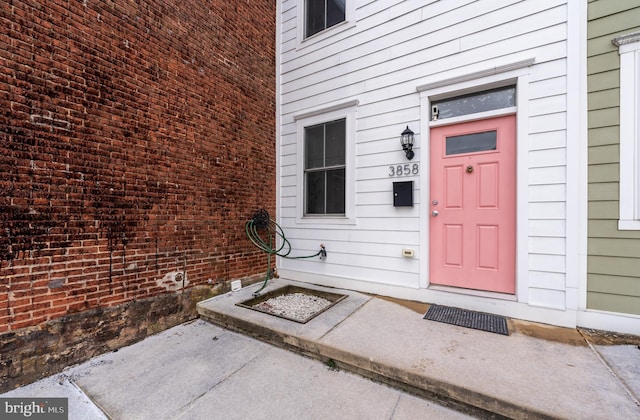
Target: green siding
602,136
608,153
618,285
599,228
625,248
613,303
603,99
615,24
604,173
613,265
603,117
603,209
600,9
603,81
603,191
604,62
599,45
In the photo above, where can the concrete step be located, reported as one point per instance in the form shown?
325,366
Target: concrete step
515,376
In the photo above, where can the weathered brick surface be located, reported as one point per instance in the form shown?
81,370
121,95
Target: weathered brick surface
136,138
32,353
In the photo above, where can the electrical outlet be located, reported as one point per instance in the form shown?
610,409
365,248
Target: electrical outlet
407,252
236,285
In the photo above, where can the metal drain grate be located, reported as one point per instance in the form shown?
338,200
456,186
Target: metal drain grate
470,319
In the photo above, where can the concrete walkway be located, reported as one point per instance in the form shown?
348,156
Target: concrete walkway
201,371
517,376
204,371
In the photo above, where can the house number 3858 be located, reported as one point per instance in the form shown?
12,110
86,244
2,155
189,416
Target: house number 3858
404,170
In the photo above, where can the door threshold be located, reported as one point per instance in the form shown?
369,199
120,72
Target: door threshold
473,292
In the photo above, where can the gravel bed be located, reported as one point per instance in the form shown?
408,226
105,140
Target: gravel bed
298,306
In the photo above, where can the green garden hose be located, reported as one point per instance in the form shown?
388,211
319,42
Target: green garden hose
264,233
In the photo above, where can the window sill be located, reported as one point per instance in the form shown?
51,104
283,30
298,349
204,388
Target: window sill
628,224
326,220
324,34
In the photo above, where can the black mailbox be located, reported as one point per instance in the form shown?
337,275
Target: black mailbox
403,194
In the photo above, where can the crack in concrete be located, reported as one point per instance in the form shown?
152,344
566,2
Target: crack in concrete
345,318
620,380
182,410
395,407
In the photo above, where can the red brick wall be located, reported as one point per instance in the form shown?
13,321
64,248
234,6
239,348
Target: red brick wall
136,138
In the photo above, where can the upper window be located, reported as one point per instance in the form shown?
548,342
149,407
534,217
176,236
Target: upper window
629,50
324,168
488,100
323,14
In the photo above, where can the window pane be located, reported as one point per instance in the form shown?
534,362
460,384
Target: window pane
476,102
335,191
315,192
469,143
315,16
324,146
335,12
314,146
334,143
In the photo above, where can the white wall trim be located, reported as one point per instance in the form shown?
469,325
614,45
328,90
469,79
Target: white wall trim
577,158
498,69
629,50
486,304
609,321
425,188
600,320
628,224
278,106
522,190
626,39
325,109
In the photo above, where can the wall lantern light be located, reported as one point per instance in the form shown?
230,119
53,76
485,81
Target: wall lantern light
406,140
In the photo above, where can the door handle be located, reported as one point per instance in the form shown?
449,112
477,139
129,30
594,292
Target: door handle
434,213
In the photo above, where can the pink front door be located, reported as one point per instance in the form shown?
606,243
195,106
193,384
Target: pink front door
472,209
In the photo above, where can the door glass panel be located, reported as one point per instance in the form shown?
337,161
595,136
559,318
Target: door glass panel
469,143
487,100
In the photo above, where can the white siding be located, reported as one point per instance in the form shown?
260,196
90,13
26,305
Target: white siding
394,47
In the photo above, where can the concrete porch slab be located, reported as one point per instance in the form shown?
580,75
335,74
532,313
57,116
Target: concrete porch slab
515,376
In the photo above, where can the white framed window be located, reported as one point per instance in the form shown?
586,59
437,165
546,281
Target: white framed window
319,19
326,164
629,50
322,14
324,168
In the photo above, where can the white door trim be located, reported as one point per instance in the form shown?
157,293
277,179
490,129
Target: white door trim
520,77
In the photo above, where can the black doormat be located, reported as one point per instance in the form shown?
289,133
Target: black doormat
470,319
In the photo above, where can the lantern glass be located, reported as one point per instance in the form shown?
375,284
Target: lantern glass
406,140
